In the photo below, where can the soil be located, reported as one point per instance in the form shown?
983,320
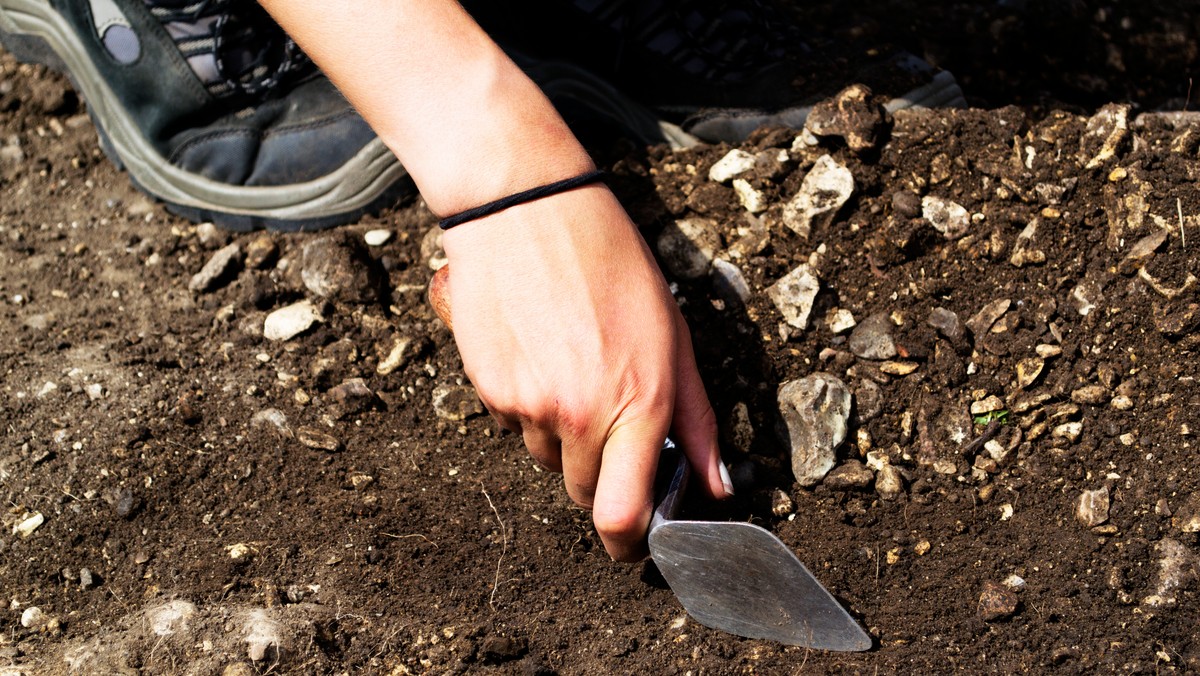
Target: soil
194,523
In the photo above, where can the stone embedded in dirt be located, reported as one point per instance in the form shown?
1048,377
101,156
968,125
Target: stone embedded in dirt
266,638
729,283
28,524
868,400
1187,517
1028,370
898,368
1141,252
1091,508
431,249
261,252
1178,567
889,482
378,237
497,649
87,579
208,234
738,431
1087,295
1105,132
314,438
987,405
1090,394
735,163
826,187
1174,320
290,321
456,402
781,503
794,294
170,618
751,199
850,114
850,475
401,350
947,217
1068,432
872,338
840,320
1024,252
272,419
996,602
352,397
987,316
816,412
337,267
752,238
1163,289
33,618
687,247
219,269
947,323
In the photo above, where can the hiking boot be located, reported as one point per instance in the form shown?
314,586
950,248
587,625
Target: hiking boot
718,70
212,109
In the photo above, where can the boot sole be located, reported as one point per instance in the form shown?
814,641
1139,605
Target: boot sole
373,179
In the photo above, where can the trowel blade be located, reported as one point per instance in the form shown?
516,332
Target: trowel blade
739,578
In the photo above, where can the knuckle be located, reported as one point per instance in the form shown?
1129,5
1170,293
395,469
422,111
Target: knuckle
620,524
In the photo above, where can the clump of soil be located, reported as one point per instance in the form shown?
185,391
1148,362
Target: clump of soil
186,495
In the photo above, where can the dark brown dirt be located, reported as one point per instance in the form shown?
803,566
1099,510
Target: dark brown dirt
425,544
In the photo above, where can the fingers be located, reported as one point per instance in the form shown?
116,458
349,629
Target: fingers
544,446
695,424
625,491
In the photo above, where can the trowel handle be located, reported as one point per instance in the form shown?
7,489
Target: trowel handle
669,496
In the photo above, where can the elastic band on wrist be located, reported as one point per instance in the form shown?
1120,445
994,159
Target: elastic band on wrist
520,198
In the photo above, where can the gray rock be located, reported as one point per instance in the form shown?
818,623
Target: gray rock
687,247
850,475
826,187
872,338
868,399
816,411
1091,508
729,282
794,294
947,323
850,114
219,269
86,579
338,268
1141,252
272,419
987,316
946,216
456,402
352,397
735,163
290,321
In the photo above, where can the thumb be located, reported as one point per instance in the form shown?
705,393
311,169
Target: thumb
695,423
625,489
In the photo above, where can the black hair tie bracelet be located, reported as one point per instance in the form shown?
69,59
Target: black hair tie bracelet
520,198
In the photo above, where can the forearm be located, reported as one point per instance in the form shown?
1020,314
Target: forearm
468,125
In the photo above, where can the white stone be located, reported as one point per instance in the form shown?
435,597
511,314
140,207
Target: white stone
816,411
377,237
1091,509
794,294
840,321
752,200
825,189
289,322
688,246
735,163
33,618
947,217
28,525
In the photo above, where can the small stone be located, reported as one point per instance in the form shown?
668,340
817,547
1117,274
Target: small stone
351,397
1177,567
208,234
33,618
752,200
898,368
170,618
851,475
218,270
378,237
1105,132
1028,370
850,114
816,412
988,315
290,321
1091,509
944,466
893,556
27,525
240,551
1014,582
687,247
1023,251
456,402
738,431
1067,431
272,419
872,338
946,323
735,163
1048,351
264,636
781,503
1090,394
947,217
794,294
1121,403
922,548
996,602
729,283
431,249
987,405
826,187
840,320
889,482
86,579
337,267
397,355
1187,517
261,252
314,438
1086,296
1141,252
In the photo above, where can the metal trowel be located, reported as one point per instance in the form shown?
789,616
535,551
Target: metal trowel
739,578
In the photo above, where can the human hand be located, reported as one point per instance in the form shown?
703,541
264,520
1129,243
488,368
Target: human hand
571,337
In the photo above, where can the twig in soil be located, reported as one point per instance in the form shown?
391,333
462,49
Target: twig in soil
413,535
992,429
503,546
1182,232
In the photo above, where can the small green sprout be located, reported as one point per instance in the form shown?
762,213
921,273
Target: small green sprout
1001,416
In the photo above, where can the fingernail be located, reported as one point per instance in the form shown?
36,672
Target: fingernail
726,482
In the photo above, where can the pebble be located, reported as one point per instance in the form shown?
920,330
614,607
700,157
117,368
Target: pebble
872,338
1046,351
1067,431
987,405
1090,394
94,391
378,237
1141,252
729,283
816,412
456,402
351,397
1086,296
1028,370
898,368
738,430
794,294
27,525
840,320
1091,508
273,419
947,323
1023,251
86,579
946,216
751,199
687,247
338,268
1104,133
314,438
207,234
850,475
826,187
989,314
218,270
781,503
735,163
996,602
1121,403
264,636
261,252
889,482
33,618
290,321
850,114
397,355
